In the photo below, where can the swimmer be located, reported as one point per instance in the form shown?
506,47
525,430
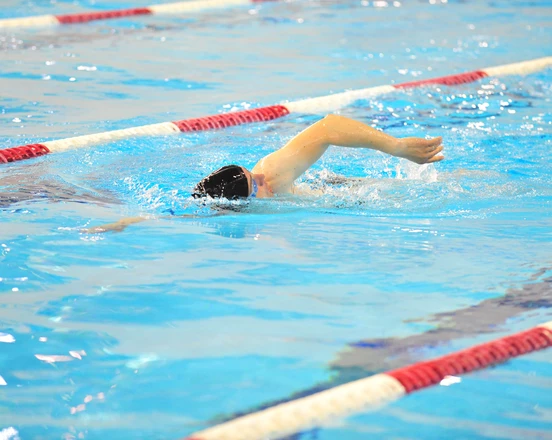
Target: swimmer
276,173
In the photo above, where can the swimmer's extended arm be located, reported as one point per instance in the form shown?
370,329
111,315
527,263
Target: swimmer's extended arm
117,226
122,224
282,167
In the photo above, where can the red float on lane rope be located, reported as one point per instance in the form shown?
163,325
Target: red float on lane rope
424,374
103,15
451,80
23,152
233,118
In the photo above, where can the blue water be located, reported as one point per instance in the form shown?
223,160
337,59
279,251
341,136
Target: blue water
176,323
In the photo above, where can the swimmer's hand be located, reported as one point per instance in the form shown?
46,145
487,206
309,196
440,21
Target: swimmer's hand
117,226
420,150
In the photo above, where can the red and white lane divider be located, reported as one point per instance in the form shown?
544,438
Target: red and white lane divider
318,105
163,9
375,391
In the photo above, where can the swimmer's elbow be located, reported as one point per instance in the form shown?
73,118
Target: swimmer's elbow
330,120
330,127
327,125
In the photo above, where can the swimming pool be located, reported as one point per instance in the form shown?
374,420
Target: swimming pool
174,324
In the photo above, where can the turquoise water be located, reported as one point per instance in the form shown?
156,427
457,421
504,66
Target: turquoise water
177,323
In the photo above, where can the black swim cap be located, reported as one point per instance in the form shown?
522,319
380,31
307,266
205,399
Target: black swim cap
229,182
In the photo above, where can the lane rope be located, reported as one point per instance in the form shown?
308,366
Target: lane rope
371,393
322,104
84,17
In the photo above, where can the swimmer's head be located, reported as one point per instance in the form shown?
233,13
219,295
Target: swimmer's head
230,182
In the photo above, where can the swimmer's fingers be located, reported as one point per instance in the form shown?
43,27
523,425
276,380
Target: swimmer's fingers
436,159
432,144
93,230
434,151
433,154
111,227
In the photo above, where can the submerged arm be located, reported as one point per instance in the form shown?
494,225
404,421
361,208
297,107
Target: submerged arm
122,224
117,226
285,165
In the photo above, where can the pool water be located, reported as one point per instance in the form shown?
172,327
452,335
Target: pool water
177,323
